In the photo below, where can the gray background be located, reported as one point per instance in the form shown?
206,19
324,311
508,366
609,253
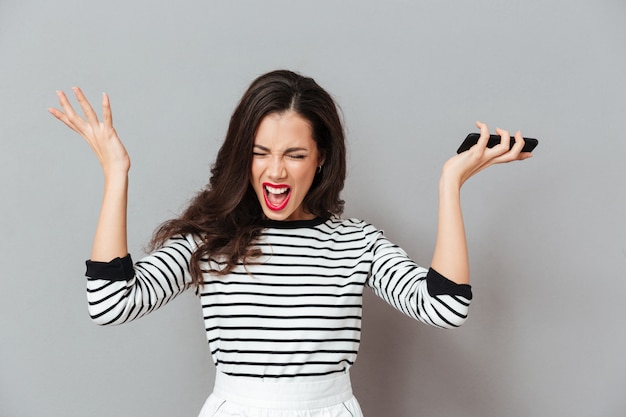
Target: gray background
546,334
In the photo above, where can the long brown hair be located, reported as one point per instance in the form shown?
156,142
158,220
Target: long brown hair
226,216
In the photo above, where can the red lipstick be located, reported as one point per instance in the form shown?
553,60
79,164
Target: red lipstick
276,195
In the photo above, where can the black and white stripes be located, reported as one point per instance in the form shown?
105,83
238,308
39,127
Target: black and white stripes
294,312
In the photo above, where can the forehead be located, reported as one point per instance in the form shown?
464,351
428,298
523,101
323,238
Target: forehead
287,128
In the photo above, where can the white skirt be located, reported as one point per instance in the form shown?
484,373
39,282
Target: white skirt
253,397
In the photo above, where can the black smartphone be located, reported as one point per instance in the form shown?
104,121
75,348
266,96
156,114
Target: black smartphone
472,138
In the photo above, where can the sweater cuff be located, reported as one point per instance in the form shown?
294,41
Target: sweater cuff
118,269
440,285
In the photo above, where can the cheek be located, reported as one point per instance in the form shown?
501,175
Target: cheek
255,171
306,177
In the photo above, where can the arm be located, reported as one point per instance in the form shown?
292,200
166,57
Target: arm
117,290
417,292
110,238
450,257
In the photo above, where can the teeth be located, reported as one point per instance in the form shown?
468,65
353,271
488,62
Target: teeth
274,190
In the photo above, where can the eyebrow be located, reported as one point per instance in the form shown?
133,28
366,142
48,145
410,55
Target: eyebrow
288,150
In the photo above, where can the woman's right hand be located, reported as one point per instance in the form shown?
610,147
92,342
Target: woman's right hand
110,239
101,136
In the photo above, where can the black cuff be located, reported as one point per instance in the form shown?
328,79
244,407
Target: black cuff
440,285
118,269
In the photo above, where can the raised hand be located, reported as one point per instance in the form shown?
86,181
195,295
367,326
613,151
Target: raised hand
466,164
451,257
101,136
110,238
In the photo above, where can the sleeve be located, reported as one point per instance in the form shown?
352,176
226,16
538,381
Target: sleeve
421,293
118,291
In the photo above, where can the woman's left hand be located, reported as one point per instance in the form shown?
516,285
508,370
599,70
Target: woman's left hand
466,164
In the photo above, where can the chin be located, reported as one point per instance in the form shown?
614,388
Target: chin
286,215
270,215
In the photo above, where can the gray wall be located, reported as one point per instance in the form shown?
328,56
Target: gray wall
546,334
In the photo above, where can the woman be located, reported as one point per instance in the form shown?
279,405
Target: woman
279,274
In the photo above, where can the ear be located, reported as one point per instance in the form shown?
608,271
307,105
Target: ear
321,159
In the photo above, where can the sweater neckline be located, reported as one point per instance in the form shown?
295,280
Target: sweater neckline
292,224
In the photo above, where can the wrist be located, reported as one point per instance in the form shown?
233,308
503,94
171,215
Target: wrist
118,167
115,179
448,181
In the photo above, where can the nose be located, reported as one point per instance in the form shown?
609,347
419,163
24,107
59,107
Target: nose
276,168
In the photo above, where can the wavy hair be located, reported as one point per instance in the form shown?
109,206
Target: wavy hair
226,216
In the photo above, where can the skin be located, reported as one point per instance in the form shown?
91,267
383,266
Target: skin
274,162
450,257
110,239
285,156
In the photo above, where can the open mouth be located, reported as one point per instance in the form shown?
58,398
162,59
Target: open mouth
276,196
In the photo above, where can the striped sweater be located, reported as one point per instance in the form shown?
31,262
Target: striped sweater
294,312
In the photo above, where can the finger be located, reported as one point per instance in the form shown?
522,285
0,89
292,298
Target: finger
57,113
63,115
519,143
515,152
107,115
90,114
70,118
505,141
484,135
65,104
